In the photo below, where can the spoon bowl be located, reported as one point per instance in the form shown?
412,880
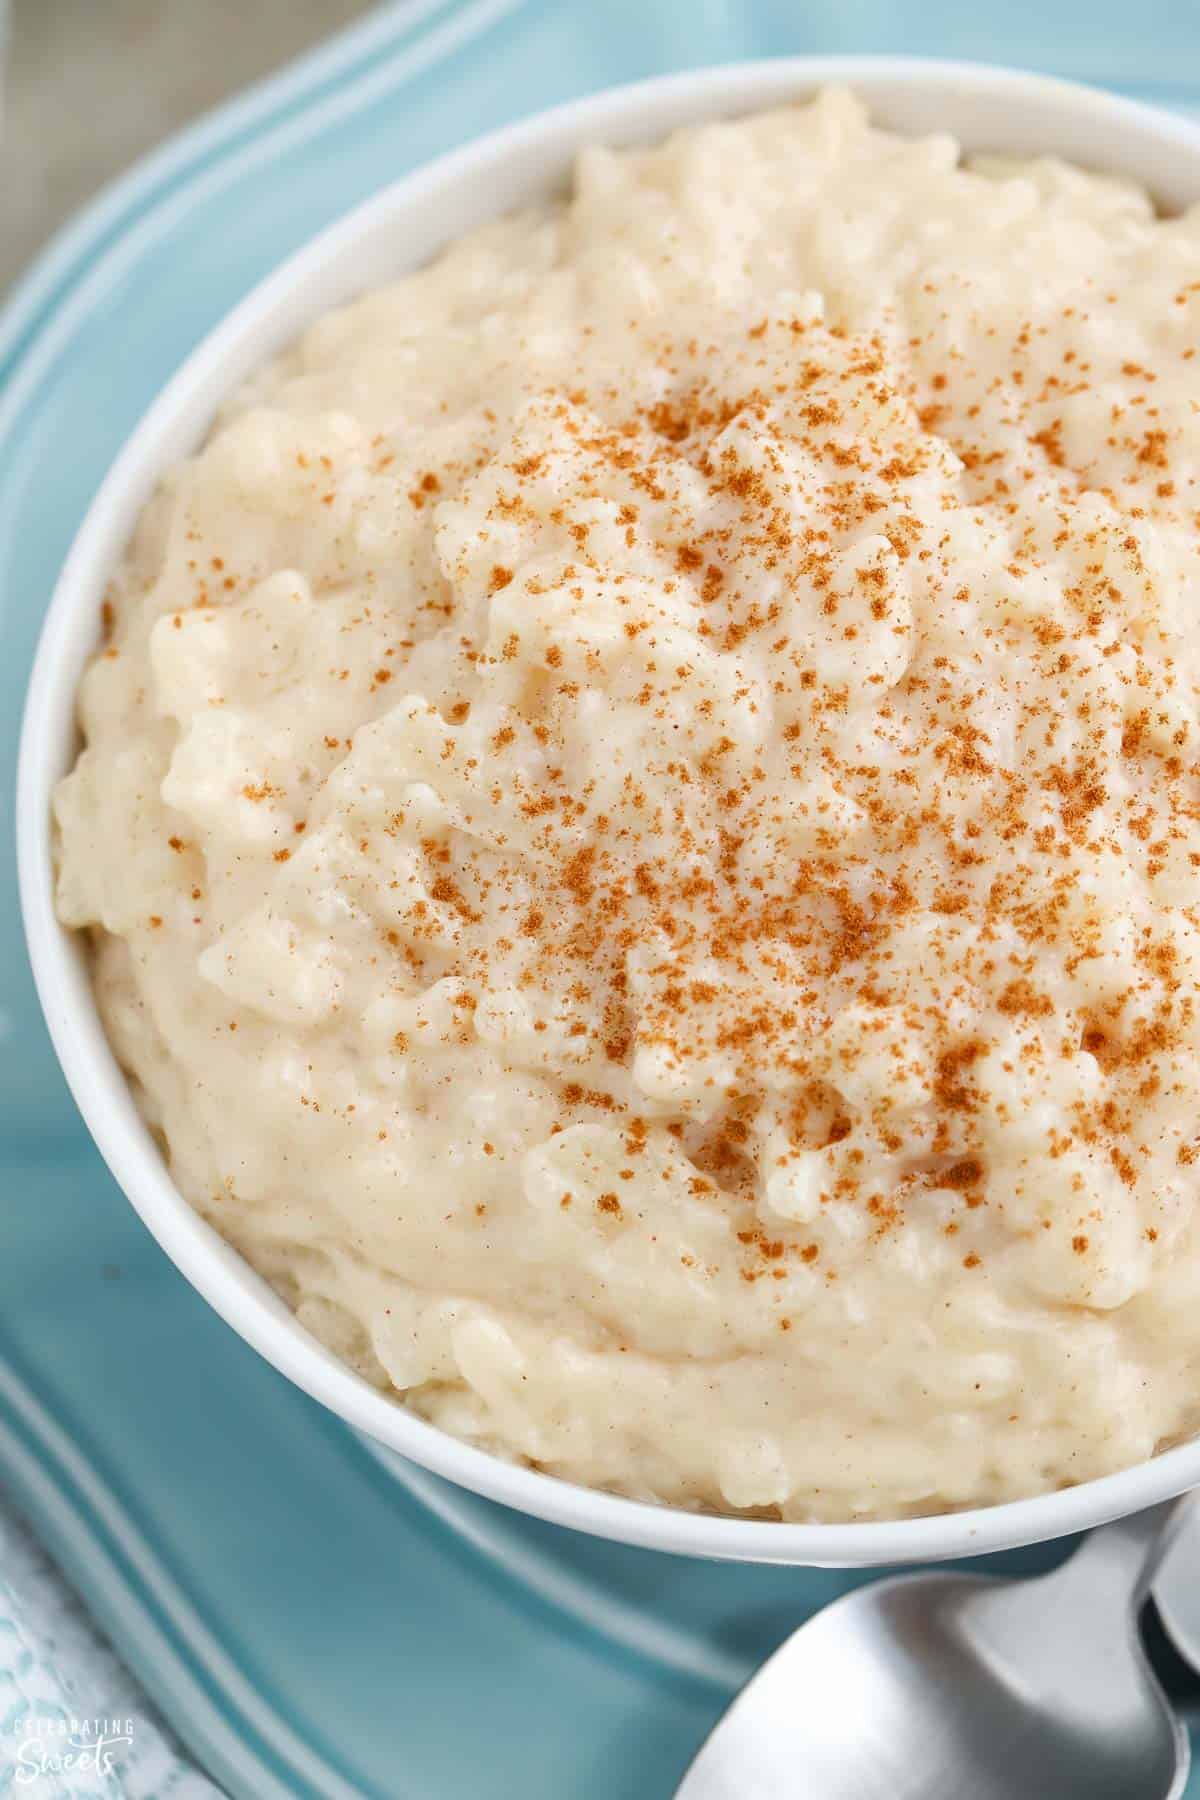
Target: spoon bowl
943,1685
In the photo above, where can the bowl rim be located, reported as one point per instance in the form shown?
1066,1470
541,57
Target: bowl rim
273,312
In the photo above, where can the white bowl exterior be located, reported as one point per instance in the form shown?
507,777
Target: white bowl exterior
398,230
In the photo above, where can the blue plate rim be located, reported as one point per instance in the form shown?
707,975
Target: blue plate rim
237,1736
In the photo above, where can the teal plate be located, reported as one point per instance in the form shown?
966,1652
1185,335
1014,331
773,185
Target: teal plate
313,1622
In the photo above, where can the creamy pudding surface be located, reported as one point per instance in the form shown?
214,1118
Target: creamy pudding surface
640,825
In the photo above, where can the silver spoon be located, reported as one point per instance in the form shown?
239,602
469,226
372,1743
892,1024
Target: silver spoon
938,1686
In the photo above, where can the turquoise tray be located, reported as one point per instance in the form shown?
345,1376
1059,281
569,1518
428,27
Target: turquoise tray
312,1622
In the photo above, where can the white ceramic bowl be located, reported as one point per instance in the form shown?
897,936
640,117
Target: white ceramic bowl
988,109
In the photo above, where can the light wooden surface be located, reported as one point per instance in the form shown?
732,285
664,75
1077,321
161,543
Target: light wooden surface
91,84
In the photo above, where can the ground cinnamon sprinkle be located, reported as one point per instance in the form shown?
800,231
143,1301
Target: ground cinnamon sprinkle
992,842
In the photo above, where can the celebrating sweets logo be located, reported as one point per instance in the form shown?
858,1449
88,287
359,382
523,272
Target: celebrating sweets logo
49,1747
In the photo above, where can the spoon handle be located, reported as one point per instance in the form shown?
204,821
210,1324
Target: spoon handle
1125,1556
